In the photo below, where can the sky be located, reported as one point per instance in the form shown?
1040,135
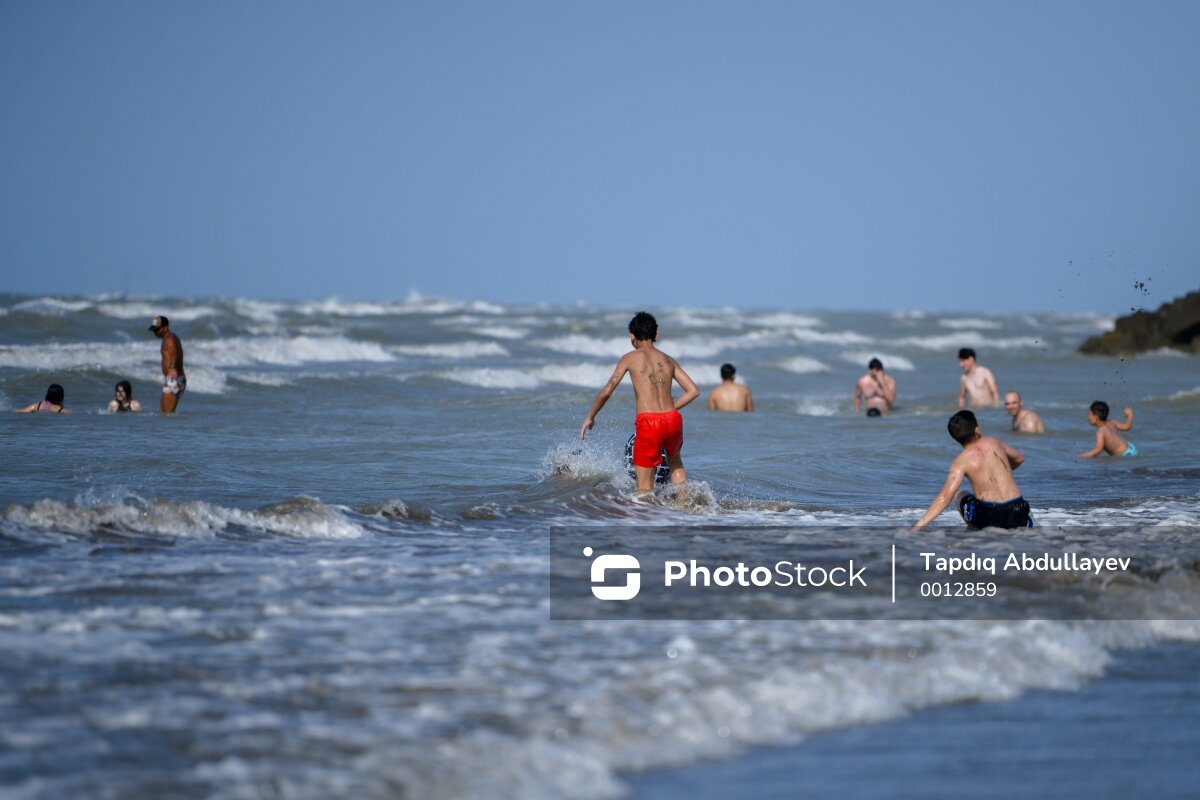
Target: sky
1005,157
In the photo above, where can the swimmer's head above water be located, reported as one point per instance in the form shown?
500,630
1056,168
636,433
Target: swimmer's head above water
643,327
963,427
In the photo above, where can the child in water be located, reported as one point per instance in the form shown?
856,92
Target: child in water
1107,438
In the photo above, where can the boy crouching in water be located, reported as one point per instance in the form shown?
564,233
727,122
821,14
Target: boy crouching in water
659,424
1107,438
988,464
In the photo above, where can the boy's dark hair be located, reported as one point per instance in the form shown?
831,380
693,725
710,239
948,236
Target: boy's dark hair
644,327
55,394
727,371
962,426
875,363
1100,409
965,352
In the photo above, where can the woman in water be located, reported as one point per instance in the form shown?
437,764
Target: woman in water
53,404
124,400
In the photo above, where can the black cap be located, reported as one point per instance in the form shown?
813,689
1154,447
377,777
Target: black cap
158,322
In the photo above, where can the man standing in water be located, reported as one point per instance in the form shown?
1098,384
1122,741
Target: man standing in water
730,395
174,381
988,464
659,424
1024,419
875,389
977,387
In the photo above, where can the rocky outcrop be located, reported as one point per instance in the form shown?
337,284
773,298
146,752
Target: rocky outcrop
1175,325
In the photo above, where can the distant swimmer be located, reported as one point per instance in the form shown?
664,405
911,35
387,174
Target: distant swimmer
659,425
123,401
977,386
1024,420
53,404
174,381
1107,438
988,464
875,389
730,396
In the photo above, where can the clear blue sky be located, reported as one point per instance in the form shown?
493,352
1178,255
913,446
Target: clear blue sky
1007,156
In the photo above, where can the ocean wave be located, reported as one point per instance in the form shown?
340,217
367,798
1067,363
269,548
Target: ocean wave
204,356
149,310
493,378
783,319
500,332
51,306
452,350
970,324
953,341
302,517
837,337
696,692
822,407
1183,394
802,365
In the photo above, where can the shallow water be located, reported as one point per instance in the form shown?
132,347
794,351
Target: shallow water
328,574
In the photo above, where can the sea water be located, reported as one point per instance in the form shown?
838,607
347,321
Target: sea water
327,574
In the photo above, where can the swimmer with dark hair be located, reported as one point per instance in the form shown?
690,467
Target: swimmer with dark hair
1107,438
53,404
730,395
123,401
988,464
876,390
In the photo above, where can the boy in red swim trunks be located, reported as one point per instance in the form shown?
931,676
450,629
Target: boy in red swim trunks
659,423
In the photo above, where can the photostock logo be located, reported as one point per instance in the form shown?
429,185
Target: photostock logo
626,563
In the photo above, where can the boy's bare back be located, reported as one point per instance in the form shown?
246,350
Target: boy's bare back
988,464
652,372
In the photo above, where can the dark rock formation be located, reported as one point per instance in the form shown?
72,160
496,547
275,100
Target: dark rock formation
1175,324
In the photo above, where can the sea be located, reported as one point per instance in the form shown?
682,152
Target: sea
328,574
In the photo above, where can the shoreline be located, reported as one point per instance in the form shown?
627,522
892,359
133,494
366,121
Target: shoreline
1132,732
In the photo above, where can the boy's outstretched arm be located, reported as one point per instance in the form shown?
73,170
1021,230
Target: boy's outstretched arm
1128,423
953,481
690,390
606,392
1098,449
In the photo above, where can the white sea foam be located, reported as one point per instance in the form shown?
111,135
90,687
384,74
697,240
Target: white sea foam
577,344
493,378
500,332
891,361
149,310
1185,394
452,350
802,365
783,320
303,517
205,358
51,305
262,378
953,341
822,337
972,323
821,407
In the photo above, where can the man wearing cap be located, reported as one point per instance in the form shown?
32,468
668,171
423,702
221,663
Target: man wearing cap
174,381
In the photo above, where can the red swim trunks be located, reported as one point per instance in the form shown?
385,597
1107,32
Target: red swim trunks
657,431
